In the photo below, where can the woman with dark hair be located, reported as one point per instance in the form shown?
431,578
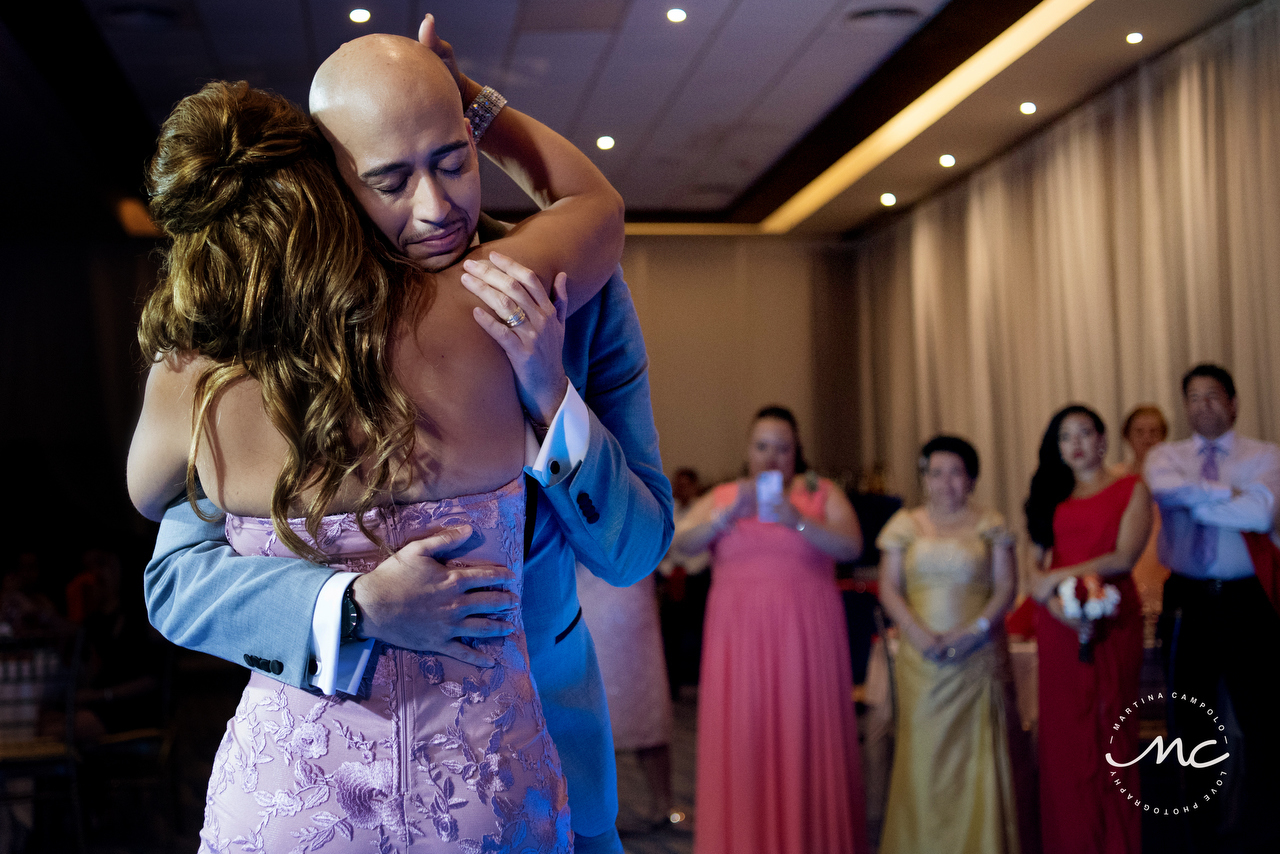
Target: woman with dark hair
778,766
947,578
1086,523
337,403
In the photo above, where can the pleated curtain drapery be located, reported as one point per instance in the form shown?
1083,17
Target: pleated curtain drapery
1134,237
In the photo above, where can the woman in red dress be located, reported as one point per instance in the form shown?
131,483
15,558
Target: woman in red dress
1086,521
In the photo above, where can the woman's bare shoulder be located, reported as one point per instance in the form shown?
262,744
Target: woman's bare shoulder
158,452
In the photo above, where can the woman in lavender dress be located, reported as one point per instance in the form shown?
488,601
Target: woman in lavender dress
343,399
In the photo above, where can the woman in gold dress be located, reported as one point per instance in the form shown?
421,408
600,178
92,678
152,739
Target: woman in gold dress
947,577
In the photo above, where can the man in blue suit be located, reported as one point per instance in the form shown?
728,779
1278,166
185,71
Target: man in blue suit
602,500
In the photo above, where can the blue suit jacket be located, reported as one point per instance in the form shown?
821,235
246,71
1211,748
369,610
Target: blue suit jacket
613,513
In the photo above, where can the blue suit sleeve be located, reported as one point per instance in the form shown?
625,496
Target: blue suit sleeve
253,611
615,508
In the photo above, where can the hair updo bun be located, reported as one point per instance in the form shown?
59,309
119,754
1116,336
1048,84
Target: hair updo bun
215,145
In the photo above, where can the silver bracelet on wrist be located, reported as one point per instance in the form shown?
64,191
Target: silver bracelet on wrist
482,111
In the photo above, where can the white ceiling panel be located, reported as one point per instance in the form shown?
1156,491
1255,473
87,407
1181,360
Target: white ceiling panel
649,179
249,34
753,49
839,58
332,26
646,67
549,73
744,154
479,30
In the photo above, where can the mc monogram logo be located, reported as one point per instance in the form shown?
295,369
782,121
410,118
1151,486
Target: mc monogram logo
1205,754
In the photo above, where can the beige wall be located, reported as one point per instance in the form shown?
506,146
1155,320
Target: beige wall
728,325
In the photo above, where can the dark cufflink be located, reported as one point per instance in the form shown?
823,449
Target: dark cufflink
313,667
555,467
277,667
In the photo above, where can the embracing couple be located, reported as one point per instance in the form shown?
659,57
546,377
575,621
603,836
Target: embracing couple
412,442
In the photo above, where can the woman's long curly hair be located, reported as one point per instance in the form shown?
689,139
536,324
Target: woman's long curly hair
273,274
1053,481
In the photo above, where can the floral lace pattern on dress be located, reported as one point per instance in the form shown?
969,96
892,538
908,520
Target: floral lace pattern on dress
441,756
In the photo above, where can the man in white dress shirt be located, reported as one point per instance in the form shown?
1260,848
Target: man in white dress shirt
1217,493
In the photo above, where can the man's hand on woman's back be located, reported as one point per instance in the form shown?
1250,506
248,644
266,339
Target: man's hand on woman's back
412,600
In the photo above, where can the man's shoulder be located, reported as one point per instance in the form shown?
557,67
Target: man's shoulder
611,309
1250,446
615,296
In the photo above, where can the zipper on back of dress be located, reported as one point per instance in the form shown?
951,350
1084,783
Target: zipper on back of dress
401,748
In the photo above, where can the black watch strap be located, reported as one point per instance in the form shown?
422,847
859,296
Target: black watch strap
351,616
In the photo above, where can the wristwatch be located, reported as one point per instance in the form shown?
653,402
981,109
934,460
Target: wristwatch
351,616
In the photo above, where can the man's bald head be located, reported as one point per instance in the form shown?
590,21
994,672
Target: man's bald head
377,70
392,112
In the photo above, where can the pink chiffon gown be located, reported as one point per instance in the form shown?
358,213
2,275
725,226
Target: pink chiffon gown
439,756
778,766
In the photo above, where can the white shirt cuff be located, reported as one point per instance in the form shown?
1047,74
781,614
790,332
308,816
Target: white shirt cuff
340,666
565,446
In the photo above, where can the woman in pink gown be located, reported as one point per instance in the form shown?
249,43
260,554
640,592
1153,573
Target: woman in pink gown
778,766
1086,521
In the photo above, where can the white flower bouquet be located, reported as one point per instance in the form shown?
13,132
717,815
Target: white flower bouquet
1088,600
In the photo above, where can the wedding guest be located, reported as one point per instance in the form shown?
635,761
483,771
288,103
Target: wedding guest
683,582
624,623
1144,428
24,606
947,578
778,765
1217,496
1086,523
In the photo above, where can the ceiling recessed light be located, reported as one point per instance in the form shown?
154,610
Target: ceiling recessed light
604,143
360,16
676,16
947,161
1027,108
1133,38
888,199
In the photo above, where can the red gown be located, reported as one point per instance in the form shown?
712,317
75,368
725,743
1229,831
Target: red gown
1082,810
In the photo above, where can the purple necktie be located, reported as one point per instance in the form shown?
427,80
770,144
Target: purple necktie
1205,543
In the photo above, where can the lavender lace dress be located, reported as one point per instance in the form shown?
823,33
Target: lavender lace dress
441,756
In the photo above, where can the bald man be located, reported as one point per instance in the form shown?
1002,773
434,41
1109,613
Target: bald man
392,111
